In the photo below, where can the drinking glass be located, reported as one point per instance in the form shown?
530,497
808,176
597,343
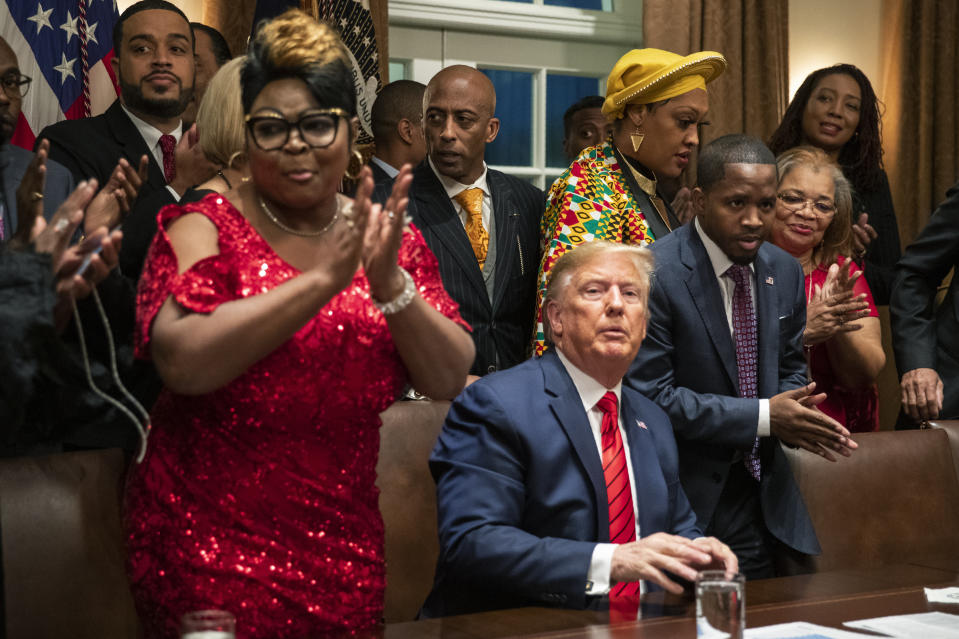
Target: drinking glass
720,605
208,624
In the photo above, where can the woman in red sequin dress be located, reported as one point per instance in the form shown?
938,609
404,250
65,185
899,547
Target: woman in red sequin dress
842,336
283,318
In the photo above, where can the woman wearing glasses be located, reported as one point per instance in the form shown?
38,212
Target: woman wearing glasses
283,318
842,337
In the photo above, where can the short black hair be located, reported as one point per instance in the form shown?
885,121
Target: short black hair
221,50
735,148
146,5
589,102
398,100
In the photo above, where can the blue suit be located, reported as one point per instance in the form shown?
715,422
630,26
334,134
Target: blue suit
521,496
687,365
13,164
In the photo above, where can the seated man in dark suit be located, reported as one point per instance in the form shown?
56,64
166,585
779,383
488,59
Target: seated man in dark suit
926,337
724,359
556,484
482,225
154,63
397,122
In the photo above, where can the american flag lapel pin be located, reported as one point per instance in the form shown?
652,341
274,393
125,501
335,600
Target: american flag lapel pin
770,280
641,424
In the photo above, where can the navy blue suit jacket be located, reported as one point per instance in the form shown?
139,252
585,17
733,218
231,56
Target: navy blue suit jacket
687,365
13,164
521,496
502,328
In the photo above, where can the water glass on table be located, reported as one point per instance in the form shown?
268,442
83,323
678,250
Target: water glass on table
720,605
208,624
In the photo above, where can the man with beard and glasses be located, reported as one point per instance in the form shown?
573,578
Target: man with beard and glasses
154,62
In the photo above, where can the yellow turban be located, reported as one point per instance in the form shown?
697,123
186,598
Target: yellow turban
643,76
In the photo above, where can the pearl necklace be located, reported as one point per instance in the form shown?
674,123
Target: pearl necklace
293,231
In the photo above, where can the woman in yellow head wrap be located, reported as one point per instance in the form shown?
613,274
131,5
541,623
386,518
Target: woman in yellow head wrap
656,100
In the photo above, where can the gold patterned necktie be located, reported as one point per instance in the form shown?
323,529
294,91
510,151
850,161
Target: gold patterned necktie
471,200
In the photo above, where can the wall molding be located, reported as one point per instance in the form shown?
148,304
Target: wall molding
516,18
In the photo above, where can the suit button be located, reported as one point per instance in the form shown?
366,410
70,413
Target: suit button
491,369
717,477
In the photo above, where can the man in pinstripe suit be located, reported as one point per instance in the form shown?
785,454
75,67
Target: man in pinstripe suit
483,225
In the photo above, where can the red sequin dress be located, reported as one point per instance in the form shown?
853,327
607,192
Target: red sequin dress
259,498
856,409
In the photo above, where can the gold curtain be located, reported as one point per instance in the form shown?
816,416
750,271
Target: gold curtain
920,92
234,19
750,97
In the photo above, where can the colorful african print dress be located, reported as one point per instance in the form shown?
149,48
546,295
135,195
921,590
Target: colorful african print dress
590,201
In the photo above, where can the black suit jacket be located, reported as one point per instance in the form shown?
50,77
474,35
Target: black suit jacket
925,336
503,327
379,175
91,148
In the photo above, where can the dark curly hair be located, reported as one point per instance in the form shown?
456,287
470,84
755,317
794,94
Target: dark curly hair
294,45
861,157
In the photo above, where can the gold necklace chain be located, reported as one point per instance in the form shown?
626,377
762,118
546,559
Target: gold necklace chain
293,231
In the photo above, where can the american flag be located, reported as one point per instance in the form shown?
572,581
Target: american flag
66,47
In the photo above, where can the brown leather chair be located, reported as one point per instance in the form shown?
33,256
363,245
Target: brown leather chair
895,498
408,503
63,549
951,426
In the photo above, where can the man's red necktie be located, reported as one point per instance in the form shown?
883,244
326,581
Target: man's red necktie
167,145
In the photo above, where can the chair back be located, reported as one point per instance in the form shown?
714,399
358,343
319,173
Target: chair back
895,499
951,426
408,503
63,549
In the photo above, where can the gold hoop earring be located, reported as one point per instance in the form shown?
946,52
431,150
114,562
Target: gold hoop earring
637,140
358,157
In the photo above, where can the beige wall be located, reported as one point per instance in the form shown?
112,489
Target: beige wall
826,32
192,8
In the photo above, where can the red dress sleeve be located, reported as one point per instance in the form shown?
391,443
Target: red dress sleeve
417,258
201,288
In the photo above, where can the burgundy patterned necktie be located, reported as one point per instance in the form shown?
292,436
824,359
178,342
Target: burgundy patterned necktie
747,350
622,518
167,144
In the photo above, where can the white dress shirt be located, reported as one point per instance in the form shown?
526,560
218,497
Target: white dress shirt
151,135
721,263
387,168
590,392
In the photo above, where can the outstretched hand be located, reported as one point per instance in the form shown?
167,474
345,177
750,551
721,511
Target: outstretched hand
795,420
863,235
384,233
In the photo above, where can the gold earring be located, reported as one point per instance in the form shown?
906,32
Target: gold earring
637,140
358,157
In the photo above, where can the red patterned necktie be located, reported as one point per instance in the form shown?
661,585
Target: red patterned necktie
167,144
747,350
622,518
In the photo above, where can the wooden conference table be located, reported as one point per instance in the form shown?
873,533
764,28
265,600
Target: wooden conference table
827,598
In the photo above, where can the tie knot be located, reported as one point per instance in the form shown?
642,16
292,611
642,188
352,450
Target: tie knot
607,403
738,273
471,200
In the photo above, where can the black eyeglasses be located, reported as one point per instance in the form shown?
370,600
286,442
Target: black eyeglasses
317,129
797,202
15,84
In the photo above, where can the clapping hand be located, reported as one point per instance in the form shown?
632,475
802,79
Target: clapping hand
683,205
30,199
115,199
834,307
862,236
384,233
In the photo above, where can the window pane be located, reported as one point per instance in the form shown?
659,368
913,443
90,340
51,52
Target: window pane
398,70
596,5
561,92
513,145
